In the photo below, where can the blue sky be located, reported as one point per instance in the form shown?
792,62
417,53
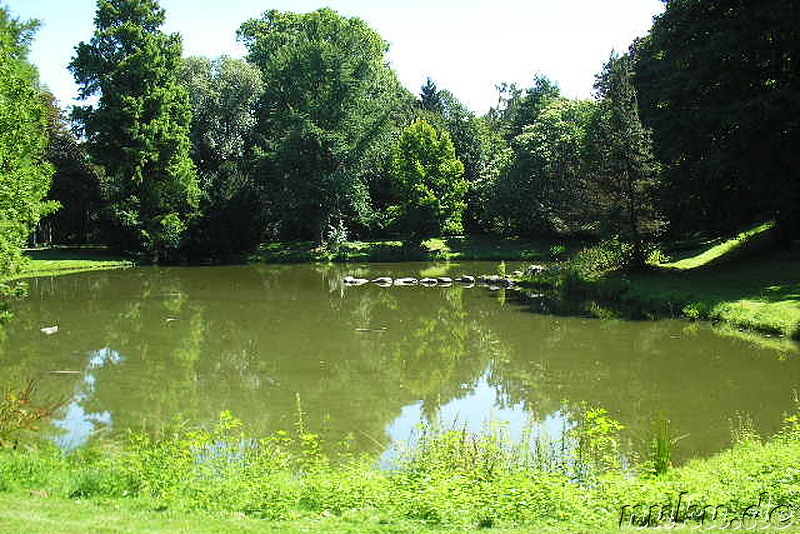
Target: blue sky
466,46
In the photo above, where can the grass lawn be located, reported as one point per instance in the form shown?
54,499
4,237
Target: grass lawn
435,249
28,514
760,294
726,250
742,282
24,513
57,261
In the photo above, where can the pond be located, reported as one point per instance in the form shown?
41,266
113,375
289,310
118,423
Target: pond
142,347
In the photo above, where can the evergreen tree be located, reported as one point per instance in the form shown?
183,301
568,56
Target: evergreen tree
624,171
139,128
430,98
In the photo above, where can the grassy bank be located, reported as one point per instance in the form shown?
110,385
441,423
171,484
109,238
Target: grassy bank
58,261
744,282
190,480
761,294
434,249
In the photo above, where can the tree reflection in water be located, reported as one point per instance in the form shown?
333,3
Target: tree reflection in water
371,362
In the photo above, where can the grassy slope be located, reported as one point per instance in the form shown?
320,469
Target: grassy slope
53,262
739,282
439,248
762,295
725,250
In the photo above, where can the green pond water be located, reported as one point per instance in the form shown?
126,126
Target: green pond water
141,347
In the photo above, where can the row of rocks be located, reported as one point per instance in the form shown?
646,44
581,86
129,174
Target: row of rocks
440,281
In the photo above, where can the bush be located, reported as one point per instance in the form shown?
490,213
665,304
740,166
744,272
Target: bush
591,264
19,415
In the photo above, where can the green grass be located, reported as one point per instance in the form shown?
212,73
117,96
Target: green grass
760,293
744,283
58,261
433,249
726,250
23,513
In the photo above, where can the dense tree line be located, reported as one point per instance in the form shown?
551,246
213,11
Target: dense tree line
311,136
719,85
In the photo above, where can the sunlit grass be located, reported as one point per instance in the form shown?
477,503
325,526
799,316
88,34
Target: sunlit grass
745,283
724,250
760,293
53,262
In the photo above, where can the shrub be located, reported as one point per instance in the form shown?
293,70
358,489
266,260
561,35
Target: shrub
19,415
591,264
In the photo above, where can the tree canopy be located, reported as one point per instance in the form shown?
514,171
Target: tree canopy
329,99
24,172
719,85
139,128
224,95
312,137
429,182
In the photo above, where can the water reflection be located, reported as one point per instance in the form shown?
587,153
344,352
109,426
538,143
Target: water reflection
371,362
77,425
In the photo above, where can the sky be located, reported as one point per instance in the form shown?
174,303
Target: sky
466,46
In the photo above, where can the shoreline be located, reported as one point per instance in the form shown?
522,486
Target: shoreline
759,294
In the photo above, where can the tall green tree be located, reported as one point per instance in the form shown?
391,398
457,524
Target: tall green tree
139,128
719,84
429,182
543,189
430,98
444,111
24,172
329,95
624,172
224,95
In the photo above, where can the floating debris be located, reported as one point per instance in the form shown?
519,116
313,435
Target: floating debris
65,372
380,330
49,330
